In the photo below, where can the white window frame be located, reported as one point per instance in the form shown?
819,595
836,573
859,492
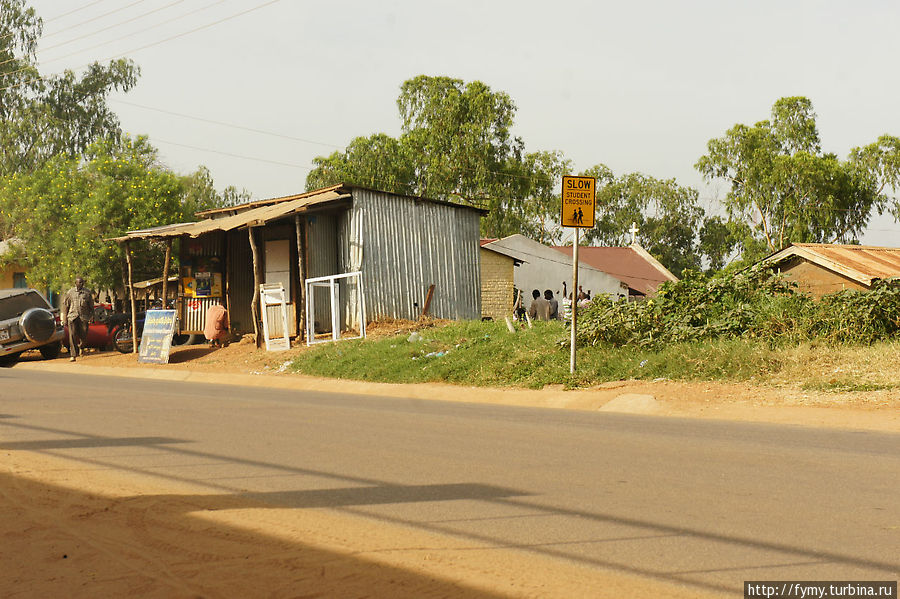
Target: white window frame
330,283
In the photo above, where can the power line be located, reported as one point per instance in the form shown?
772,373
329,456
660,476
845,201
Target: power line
13,59
114,25
242,157
128,35
150,45
92,19
74,10
223,124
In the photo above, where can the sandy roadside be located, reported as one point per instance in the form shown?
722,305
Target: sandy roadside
76,531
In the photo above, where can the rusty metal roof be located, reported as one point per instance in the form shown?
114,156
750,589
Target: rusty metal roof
862,263
632,265
247,218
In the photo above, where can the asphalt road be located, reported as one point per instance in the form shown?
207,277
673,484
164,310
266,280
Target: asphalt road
703,503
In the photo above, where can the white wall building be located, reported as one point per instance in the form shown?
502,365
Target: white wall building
547,268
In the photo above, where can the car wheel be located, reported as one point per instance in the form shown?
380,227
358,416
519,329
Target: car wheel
51,351
178,340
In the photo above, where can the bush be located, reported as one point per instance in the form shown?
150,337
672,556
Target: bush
755,303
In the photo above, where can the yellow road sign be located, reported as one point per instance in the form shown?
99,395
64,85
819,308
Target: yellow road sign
577,202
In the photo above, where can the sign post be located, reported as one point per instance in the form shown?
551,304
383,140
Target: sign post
577,211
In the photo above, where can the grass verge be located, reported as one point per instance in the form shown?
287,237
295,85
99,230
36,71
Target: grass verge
487,354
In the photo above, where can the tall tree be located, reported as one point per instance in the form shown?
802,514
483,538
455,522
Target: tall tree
42,116
786,189
65,210
456,145
668,216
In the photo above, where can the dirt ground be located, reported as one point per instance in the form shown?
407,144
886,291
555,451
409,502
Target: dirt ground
71,531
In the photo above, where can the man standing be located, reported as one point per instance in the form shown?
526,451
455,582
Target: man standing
554,305
77,311
540,308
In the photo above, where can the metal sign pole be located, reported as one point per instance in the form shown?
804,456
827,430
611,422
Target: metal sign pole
574,301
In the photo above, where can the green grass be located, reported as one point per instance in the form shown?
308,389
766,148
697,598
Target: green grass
487,354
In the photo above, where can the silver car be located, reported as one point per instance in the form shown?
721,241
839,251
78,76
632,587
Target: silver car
27,321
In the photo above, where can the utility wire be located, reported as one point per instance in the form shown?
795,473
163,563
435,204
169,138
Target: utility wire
129,35
92,19
223,124
114,25
74,10
150,45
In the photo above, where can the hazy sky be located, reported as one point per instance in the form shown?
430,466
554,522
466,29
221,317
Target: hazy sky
639,85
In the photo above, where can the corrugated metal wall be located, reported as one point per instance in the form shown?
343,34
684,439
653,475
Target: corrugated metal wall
322,245
408,245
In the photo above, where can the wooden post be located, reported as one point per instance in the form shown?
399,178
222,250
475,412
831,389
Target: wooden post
254,305
427,305
226,274
165,281
301,226
134,347
301,287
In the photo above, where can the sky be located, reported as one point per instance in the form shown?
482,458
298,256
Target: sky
256,89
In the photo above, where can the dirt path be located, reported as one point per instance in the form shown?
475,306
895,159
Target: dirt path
67,530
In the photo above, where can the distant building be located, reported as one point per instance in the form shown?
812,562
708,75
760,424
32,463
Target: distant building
821,268
401,245
498,285
546,268
632,265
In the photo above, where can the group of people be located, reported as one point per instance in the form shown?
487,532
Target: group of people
546,307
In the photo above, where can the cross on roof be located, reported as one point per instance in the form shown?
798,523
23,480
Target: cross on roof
634,231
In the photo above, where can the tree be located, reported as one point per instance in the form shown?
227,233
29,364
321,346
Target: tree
65,211
456,145
786,190
379,162
668,217
46,116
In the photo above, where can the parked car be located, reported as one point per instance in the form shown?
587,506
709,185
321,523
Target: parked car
28,321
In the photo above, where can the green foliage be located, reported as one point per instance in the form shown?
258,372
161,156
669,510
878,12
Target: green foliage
42,117
65,210
753,304
456,145
669,219
788,191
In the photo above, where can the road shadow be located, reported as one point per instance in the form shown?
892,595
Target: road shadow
60,542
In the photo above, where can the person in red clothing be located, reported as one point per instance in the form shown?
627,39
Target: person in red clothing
216,329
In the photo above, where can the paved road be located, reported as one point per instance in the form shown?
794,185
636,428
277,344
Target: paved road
704,503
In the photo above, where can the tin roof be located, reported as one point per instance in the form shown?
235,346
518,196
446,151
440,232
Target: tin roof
862,263
246,218
341,188
632,265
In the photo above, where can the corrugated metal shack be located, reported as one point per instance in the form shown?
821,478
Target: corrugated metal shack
402,245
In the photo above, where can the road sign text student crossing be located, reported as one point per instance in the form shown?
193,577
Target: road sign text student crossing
577,209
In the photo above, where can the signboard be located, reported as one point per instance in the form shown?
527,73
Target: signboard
159,326
577,202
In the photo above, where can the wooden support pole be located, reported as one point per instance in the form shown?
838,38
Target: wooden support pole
134,347
428,297
254,305
165,281
226,267
301,273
